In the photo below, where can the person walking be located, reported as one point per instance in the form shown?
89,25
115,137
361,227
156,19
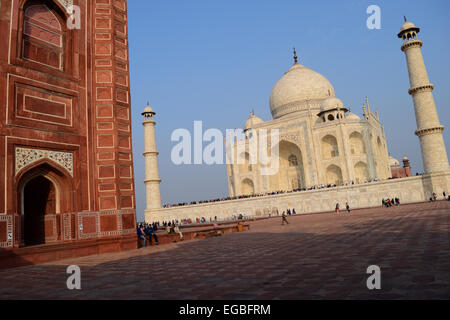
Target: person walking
348,207
337,207
283,217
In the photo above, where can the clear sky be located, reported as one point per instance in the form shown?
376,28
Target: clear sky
215,61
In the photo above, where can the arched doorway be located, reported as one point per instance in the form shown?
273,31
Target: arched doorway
44,193
39,204
291,173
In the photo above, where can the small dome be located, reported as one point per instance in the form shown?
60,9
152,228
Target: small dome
393,162
353,116
252,122
331,103
298,88
148,111
405,159
407,25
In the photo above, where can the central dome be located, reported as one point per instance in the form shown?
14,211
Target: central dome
297,89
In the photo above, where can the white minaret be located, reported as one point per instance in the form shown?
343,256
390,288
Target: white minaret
429,129
152,180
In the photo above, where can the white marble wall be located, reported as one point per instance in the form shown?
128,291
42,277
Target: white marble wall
409,190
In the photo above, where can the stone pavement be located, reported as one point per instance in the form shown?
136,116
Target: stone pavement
320,256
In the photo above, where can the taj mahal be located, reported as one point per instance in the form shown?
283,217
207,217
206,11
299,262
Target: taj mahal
321,141
327,154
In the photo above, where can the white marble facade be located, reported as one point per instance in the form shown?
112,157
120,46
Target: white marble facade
321,141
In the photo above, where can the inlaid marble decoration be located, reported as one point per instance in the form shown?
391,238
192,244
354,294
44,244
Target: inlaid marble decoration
67,4
25,157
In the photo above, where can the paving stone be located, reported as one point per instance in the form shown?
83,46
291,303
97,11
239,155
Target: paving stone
320,256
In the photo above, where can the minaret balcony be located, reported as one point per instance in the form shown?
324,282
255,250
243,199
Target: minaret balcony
412,43
426,88
424,132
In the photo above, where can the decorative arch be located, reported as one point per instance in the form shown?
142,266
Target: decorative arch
334,175
247,187
44,192
357,145
361,172
291,170
330,147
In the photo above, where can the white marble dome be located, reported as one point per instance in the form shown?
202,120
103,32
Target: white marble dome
299,87
252,122
407,25
393,162
331,103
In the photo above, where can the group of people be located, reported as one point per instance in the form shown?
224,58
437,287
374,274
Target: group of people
319,187
390,202
338,207
286,213
147,231
434,197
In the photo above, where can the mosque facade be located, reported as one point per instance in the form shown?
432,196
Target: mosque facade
321,142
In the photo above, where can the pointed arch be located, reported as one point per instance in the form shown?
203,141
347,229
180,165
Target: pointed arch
43,193
43,38
357,145
330,147
291,174
361,172
334,175
247,187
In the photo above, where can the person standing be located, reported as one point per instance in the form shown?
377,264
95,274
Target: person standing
283,217
337,207
348,207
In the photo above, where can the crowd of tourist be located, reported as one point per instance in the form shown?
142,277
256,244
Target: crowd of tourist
319,187
148,231
390,202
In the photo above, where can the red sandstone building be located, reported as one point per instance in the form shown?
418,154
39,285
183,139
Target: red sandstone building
399,172
66,166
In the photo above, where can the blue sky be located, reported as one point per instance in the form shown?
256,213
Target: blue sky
216,61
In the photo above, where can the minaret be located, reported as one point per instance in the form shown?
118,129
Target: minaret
152,180
429,129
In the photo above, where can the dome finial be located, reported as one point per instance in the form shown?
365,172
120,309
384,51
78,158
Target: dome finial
295,57
406,20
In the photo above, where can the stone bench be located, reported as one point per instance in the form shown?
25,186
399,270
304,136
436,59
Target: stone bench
165,238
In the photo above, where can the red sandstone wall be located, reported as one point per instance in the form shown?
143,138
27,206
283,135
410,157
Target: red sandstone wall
66,94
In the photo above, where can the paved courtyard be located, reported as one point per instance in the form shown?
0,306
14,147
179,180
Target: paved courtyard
321,256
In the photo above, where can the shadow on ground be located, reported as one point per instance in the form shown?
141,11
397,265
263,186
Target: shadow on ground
413,254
